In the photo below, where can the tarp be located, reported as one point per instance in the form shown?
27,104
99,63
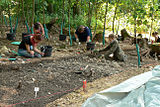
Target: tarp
140,91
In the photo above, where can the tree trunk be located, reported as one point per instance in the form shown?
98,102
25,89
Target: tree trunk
135,25
91,11
96,19
69,13
43,15
115,13
118,27
152,21
63,13
27,15
33,12
69,21
10,21
105,23
9,13
1,17
81,10
50,8
76,8
23,11
89,14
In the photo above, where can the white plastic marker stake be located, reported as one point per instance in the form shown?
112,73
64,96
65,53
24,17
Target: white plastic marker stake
86,67
36,89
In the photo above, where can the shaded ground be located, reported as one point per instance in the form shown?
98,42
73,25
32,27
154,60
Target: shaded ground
57,73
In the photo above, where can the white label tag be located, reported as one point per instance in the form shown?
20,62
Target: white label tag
36,88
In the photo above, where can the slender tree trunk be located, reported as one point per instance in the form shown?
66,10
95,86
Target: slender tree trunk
105,16
89,14
23,11
135,25
115,13
105,23
27,14
135,19
43,15
69,21
10,21
91,11
33,12
9,13
96,18
63,13
118,27
152,21
1,17
1,25
69,12
81,7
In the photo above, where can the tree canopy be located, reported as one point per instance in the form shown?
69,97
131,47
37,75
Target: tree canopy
134,15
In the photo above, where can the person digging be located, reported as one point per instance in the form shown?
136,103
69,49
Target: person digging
82,34
113,48
28,46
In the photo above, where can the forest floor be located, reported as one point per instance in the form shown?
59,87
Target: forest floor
56,77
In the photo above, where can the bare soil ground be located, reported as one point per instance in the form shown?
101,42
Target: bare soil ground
55,76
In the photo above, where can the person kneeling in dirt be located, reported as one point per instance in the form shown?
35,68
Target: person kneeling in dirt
113,48
82,34
28,46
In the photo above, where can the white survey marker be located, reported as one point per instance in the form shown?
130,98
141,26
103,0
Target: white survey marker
36,89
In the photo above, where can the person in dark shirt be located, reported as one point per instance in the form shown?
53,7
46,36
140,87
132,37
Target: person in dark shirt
113,48
28,46
82,34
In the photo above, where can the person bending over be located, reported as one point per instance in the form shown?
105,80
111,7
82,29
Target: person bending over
28,46
113,48
82,34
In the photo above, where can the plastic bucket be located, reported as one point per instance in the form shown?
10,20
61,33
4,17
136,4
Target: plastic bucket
90,46
62,37
11,36
47,51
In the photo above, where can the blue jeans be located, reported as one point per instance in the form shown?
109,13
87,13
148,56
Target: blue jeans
24,53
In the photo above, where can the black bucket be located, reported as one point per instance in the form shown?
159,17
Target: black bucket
62,37
11,36
24,35
90,46
47,51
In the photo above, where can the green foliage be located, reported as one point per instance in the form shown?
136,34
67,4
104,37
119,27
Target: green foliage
144,11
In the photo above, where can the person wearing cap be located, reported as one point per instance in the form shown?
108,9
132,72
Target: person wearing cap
113,48
82,34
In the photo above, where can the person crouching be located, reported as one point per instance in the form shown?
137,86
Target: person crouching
113,48
28,46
